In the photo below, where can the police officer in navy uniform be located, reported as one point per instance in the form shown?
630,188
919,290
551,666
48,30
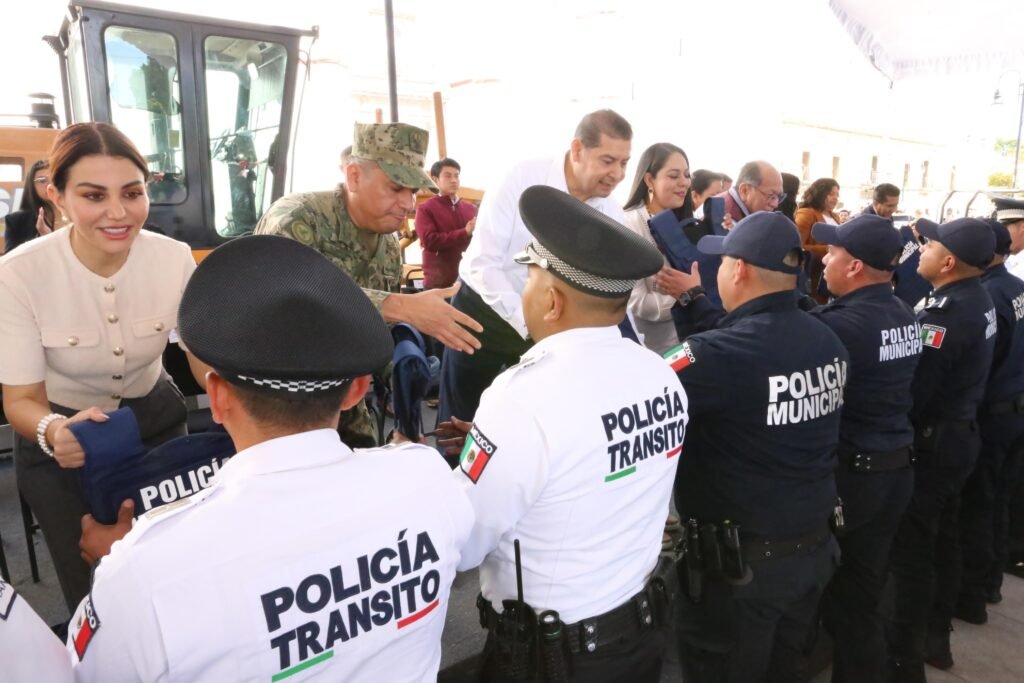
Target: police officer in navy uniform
303,557
983,519
765,389
571,458
958,329
875,479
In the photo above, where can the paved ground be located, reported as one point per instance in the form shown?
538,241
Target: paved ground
984,654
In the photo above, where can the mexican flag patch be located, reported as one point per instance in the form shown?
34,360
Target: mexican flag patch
932,335
680,357
477,452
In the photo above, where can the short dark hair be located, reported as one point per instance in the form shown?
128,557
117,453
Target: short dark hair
884,191
86,139
435,170
651,161
702,179
602,121
291,411
791,186
815,195
725,178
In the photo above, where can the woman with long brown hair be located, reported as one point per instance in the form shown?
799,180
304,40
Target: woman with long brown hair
86,313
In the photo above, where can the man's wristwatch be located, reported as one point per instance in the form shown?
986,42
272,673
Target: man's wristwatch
689,295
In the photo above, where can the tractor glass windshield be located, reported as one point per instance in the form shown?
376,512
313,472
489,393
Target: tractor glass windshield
142,77
245,88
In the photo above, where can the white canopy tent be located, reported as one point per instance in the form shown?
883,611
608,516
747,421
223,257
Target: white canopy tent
912,38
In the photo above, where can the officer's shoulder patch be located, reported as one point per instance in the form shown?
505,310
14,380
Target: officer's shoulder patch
526,363
166,511
680,357
85,627
7,597
476,454
936,303
933,336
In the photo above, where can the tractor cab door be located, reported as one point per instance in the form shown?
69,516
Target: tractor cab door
208,103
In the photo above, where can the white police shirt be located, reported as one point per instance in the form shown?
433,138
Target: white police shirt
304,560
573,452
29,652
487,264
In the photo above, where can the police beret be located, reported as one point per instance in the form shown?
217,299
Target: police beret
868,238
582,246
764,239
969,239
276,316
1008,209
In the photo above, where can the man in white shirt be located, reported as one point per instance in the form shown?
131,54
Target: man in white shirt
303,558
29,651
572,455
492,282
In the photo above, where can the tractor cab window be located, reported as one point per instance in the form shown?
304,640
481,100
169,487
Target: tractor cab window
142,75
245,90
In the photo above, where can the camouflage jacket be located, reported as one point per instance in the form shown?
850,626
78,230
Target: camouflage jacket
321,220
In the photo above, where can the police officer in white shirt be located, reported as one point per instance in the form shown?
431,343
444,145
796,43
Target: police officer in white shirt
572,454
492,281
304,559
29,652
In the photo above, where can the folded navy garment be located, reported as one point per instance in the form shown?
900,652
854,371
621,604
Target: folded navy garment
410,379
117,467
680,252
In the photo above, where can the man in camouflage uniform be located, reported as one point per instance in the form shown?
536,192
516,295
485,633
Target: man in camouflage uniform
353,226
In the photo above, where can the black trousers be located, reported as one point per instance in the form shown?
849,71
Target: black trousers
926,562
760,631
464,377
55,493
636,659
873,506
985,507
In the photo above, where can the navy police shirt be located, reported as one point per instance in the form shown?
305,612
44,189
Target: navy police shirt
765,391
883,338
907,283
1006,379
958,330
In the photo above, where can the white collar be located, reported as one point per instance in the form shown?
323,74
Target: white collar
293,452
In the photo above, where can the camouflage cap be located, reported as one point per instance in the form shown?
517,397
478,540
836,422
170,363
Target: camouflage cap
398,149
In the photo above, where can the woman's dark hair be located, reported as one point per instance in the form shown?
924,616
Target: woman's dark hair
651,161
702,179
814,196
31,200
791,186
86,139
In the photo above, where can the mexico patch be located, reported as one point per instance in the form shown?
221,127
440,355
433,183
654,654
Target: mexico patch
680,357
932,335
85,628
477,452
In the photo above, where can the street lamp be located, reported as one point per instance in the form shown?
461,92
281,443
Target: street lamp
998,99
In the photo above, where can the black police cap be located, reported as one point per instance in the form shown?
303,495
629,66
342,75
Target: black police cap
582,246
1002,235
969,239
765,239
868,238
274,315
